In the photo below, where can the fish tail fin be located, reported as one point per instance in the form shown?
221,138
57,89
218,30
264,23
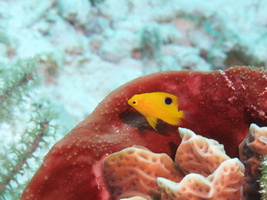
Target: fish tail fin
176,120
152,122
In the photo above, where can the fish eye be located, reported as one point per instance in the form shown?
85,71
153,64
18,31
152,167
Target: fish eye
168,100
134,102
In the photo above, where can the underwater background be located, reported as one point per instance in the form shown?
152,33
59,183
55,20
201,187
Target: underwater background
60,58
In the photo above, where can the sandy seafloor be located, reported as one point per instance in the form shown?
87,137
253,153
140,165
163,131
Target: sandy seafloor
85,49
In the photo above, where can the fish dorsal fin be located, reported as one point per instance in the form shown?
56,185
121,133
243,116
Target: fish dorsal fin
152,122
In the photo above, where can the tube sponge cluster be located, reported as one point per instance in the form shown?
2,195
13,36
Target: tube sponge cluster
137,173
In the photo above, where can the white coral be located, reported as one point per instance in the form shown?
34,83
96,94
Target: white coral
134,198
225,183
211,174
259,142
197,154
134,171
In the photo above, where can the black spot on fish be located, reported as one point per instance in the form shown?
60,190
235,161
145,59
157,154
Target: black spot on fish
168,100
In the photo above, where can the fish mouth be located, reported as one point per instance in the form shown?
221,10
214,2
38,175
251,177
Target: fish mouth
132,102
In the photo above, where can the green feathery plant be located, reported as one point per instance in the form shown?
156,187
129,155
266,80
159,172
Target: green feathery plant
20,158
16,83
263,180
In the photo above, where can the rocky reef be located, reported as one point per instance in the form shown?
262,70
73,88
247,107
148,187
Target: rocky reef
220,105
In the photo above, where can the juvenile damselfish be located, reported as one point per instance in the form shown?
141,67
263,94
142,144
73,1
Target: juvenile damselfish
157,105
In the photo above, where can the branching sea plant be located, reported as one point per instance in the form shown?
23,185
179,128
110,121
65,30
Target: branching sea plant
16,83
22,156
263,180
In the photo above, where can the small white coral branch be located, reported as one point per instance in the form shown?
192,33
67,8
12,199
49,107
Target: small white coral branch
134,198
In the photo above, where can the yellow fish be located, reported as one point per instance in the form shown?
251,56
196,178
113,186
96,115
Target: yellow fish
157,105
